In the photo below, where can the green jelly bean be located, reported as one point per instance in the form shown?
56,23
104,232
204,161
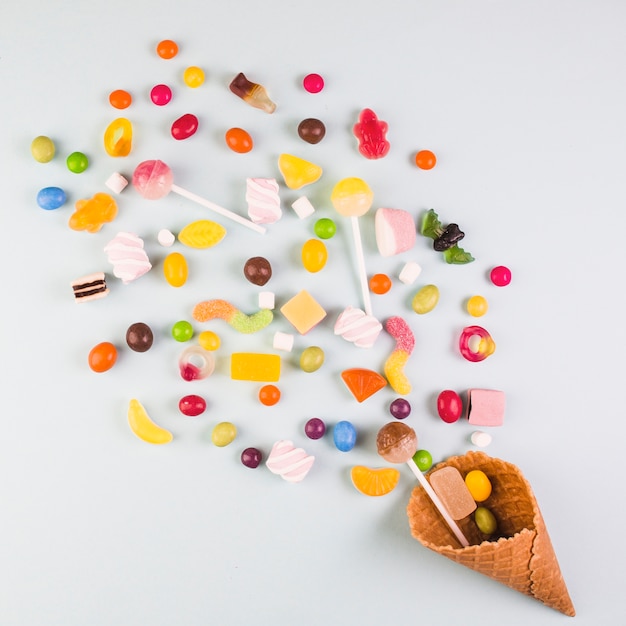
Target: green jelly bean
311,359
485,520
426,299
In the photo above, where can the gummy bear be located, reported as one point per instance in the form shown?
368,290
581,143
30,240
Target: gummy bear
370,132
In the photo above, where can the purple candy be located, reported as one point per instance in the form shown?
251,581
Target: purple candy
400,408
315,428
251,457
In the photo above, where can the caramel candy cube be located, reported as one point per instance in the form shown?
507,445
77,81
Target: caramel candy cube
449,485
303,312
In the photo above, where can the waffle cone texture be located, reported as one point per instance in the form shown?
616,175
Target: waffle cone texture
521,556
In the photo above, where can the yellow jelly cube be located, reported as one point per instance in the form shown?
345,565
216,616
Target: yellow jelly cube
303,311
256,367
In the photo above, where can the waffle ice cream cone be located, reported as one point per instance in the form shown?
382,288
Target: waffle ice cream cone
520,556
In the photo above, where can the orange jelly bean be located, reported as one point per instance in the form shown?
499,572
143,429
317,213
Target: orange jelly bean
380,284
167,49
120,99
269,395
239,140
102,357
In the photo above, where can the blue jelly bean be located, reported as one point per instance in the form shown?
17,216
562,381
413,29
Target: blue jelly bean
50,198
344,436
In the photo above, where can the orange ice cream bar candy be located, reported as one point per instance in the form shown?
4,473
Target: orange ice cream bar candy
449,485
256,367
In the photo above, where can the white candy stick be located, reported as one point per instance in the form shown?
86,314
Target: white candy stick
360,259
438,503
218,209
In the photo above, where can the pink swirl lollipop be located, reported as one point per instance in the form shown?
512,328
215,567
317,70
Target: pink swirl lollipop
154,180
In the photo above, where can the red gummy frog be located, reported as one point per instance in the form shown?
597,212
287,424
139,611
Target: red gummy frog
370,132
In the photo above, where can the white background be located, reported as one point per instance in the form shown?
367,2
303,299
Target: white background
523,102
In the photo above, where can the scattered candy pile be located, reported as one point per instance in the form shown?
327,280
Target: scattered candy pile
395,231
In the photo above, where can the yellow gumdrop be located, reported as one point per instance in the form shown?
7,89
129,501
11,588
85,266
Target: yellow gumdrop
223,434
175,269
477,306
426,299
297,172
118,137
209,340
141,424
352,197
201,234
478,485
314,255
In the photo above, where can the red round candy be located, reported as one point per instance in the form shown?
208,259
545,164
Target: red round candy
185,126
500,276
449,406
160,95
102,357
192,405
313,83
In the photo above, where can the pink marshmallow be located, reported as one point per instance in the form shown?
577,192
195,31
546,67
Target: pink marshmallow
395,231
485,407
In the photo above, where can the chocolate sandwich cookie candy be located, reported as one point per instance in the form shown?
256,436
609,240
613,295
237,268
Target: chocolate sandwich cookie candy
90,287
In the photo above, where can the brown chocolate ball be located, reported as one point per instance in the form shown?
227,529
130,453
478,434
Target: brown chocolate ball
139,337
257,270
311,130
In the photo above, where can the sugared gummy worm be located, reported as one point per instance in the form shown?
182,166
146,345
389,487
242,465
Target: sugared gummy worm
212,309
394,365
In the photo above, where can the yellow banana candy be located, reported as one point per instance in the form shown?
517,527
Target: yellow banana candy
141,424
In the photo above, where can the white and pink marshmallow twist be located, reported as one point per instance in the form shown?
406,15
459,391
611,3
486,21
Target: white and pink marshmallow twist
290,463
395,231
263,200
356,326
130,261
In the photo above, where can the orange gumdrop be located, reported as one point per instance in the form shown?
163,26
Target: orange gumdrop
239,140
380,284
374,481
167,49
102,357
269,395
425,159
363,383
120,99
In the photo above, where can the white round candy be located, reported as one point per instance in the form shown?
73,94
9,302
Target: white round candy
480,438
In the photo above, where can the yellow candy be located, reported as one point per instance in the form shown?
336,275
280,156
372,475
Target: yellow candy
478,484
42,149
303,312
175,269
223,434
193,76
426,299
311,359
141,424
257,367
297,172
209,340
202,234
352,197
314,255
477,306
118,137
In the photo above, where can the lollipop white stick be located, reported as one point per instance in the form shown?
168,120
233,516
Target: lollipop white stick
218,209
154,180
360,259
423,481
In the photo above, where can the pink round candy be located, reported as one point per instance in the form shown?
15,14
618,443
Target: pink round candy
313,83
153,179
185,126
160,95
500,276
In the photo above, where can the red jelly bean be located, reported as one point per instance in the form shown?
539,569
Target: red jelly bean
102,357
449,406
192,405
185,126
160,95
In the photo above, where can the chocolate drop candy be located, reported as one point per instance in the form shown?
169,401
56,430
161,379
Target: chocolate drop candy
139,337
311,130
257,270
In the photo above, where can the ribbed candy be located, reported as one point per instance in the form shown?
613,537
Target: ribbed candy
357,327
290,463
130,261
263,200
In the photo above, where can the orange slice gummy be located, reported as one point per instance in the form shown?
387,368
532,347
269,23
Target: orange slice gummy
374,482
363,383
